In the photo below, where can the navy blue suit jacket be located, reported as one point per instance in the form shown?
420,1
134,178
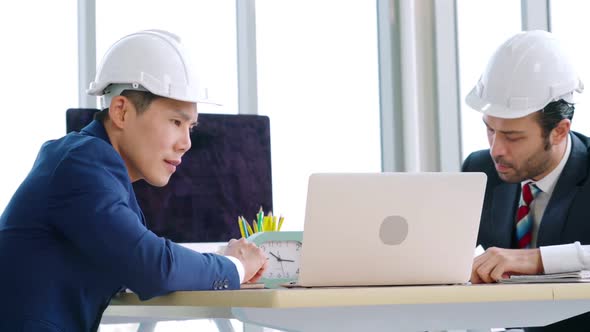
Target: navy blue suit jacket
73,235
566,218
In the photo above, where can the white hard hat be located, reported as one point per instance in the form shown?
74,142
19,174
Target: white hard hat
152,60
526,73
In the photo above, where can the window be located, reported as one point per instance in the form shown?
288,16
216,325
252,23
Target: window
482,26
318,83
207,28
570,24
39,82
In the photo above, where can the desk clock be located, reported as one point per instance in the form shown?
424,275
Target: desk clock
283,250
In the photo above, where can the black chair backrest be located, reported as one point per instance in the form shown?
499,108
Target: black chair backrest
226,173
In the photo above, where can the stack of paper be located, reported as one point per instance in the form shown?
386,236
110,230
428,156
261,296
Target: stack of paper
576,276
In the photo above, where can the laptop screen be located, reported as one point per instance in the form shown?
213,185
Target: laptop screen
226,173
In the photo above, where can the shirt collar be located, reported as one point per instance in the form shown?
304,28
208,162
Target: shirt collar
547,184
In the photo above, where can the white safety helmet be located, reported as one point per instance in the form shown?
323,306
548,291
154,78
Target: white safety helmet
526,73
150,60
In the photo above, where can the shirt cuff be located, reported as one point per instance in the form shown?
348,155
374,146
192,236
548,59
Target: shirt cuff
561,258
239,267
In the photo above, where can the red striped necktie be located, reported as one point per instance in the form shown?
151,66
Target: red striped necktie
524,216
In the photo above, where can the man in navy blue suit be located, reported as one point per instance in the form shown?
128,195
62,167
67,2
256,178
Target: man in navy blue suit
536,214
73,235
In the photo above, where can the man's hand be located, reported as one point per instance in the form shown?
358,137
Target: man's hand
250,255
497,263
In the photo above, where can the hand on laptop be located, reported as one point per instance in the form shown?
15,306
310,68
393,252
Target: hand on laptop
497,263
252,257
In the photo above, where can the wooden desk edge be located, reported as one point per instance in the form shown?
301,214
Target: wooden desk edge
572,291
361,296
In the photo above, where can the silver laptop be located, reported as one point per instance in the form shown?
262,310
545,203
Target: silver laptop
390,228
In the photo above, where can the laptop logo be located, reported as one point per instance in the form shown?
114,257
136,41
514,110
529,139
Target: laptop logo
393,230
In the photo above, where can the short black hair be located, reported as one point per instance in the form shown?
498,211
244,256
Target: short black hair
553,113
140,99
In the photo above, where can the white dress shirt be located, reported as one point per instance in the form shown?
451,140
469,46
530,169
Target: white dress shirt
239,267
559,258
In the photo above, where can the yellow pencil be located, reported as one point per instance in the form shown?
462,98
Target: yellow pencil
255,225
269,216
274,223
248,226
281,219
241,227
259,216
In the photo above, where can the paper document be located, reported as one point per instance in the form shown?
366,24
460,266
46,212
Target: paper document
576,276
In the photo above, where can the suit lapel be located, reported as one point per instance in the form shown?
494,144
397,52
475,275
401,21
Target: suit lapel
503,213
554,218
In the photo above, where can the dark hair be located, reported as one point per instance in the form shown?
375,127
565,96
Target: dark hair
140,99
553,113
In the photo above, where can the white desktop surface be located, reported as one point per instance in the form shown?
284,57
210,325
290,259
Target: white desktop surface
403,308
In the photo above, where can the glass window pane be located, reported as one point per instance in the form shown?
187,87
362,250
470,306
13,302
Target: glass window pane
207,28
39,82
569,22
482,25
318,83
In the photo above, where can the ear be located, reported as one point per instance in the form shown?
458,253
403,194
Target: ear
560,132
119,111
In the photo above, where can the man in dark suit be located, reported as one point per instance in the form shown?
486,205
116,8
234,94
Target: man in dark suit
73,234
536,213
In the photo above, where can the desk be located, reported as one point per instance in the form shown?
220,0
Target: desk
403,308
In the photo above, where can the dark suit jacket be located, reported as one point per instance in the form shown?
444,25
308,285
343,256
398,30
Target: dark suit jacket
73,235
566,218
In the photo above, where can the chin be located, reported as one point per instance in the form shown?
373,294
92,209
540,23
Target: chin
510,178
158,181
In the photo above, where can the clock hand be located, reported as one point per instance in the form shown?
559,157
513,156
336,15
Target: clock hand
275,256
282,259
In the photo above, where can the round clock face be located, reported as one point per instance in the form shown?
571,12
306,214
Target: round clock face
283,259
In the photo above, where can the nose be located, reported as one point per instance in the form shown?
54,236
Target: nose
497,147
184,142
